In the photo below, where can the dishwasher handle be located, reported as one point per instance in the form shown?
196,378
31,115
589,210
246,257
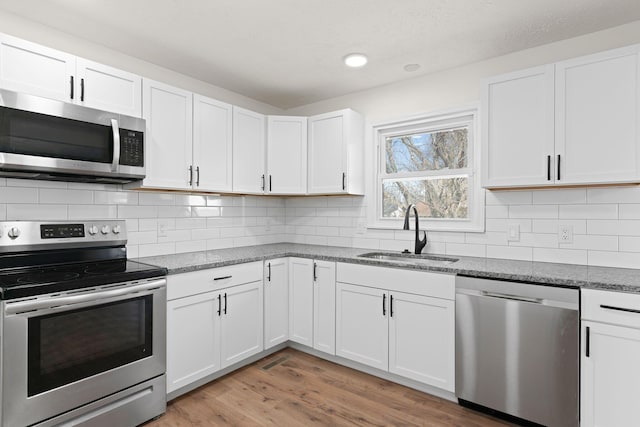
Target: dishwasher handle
512,297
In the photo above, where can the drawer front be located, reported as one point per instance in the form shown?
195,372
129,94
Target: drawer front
438,285
618,308
197,282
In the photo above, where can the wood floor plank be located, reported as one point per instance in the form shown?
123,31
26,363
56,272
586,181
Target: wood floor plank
303,390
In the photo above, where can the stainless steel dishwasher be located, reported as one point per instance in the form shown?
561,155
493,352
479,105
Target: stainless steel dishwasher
517,350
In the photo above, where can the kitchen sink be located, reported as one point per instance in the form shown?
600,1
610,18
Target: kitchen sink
409,258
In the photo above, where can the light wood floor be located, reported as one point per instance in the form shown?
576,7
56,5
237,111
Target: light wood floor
307,391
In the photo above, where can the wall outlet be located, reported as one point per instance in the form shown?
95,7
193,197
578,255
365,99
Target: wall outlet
513,233
565,234
163,225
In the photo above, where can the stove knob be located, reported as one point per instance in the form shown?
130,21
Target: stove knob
93,230
105,229
116,229
14,232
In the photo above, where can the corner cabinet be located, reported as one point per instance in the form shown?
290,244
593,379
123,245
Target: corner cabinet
38,70
286,155
575,122
610,374
401,321
249,133
276,302
336,153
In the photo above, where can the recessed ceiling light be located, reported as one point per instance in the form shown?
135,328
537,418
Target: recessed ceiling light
410,68
355,60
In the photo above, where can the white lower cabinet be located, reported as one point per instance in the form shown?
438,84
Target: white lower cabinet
610,374
312,303
214,319
276,302
406,333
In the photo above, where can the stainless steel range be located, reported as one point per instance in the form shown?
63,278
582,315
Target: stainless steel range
82,328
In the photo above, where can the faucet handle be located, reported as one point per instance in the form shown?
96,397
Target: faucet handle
421,243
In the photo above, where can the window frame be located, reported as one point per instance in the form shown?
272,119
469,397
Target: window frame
430,122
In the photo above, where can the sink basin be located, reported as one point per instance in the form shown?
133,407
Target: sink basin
409,258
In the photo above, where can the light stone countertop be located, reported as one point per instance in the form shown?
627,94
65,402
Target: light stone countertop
550,274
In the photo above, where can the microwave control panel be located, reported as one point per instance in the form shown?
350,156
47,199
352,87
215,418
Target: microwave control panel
131,148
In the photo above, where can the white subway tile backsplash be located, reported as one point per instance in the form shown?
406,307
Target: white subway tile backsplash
126,211
598,243
613,195
156,249
464,249
552,225
629,244
81,212
156,199
502,198
510,252
115,197
191,246
615,259
533,211
18,195
560,197
630,211
65,196
596,211
33,212
562,256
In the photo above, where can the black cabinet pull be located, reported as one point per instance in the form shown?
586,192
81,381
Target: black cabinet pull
219,304
71,80
197,176
269,273
558,167
225,303
222,277
548,168
191,175
82,90
391,305
262,182
384,304
344,177
315,275
626,310
587,342
269,183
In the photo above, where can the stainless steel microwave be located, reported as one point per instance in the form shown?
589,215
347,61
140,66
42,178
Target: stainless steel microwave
47,139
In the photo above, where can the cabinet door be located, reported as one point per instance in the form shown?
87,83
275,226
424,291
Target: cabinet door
286,155
597,117
37,70
610,376
518,146
107,88
301,301
361,325
193,339
249,129
276,302
241,322
168,112
324,307
421,339
212,144
327,156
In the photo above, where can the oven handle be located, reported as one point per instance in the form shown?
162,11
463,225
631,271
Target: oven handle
32,305
116,144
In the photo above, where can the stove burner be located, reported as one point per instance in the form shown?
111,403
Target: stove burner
47,277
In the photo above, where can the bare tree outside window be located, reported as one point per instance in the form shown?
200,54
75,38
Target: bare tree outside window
439,159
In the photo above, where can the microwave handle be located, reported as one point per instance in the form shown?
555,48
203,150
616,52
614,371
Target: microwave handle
116,144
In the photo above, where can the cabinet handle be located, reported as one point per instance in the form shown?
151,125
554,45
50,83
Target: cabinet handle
587,342
225,303
219,304
384,304
71,84
190,175
344,177
558,167
197,176
269,183
549,168
391,305
269,273
222,277
82,90
315,275
627,310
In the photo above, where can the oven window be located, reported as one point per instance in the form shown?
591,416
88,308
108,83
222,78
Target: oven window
23,132
72,345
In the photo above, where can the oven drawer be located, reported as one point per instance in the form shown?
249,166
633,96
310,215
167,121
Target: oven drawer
618,308
197,282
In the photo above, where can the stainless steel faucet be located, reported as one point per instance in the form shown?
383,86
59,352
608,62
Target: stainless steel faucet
420,243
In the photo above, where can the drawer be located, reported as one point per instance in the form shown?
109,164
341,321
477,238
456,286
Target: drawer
618,308
438,285
197,282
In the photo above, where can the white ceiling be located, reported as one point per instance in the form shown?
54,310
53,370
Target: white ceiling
289,52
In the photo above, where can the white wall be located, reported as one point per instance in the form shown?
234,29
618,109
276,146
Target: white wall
605,221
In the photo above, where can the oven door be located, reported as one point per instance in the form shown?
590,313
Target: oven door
63,351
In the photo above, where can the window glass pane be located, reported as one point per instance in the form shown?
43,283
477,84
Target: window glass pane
427,151
434,198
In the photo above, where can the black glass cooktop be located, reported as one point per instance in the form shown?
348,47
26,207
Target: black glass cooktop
36,280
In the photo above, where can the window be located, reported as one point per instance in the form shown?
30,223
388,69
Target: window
429,162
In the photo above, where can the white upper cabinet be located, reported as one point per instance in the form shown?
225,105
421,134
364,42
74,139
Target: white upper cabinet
249,131
286,155
336,153
597,117
212,144
168,150
570,123
517,127
38,70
